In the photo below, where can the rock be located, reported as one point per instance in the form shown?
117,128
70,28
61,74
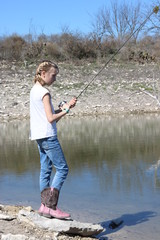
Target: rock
14,237
1,207
6,217
63,226
29,208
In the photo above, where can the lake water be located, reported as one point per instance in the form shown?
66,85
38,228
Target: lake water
114,167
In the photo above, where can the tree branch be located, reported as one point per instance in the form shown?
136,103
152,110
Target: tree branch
151,95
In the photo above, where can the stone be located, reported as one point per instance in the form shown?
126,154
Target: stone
13,237
62,226
6,217
1,207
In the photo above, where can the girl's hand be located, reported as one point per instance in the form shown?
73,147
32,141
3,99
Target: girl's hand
72,102
65,107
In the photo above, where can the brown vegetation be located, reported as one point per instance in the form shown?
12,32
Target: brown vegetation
72,47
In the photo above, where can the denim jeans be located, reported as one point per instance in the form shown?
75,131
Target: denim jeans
51,154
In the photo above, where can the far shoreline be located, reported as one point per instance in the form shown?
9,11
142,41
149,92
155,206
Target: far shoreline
121,89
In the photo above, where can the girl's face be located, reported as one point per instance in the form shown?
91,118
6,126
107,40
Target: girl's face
50,76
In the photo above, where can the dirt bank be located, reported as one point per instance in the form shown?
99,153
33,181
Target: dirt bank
119,89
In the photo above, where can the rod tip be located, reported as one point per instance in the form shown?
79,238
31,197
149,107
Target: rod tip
156,9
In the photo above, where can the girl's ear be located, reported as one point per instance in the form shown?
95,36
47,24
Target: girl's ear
43,73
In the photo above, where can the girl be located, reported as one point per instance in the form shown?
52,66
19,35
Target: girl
43,129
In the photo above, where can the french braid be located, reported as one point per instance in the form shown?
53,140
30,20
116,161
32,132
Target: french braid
44,66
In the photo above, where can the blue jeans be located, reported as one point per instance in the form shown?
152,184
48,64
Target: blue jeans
51,154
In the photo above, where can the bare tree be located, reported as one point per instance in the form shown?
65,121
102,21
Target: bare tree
154,23
117,22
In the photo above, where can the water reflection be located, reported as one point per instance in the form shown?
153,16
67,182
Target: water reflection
17,153
118,150
112,155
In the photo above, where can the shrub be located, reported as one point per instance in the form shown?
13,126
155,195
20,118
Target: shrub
12,47
52,50
33,50
78,47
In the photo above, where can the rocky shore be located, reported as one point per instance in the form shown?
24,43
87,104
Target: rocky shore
119,89
22,223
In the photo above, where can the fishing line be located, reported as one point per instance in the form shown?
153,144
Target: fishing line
155,10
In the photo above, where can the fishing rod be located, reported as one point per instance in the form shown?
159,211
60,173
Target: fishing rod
155,10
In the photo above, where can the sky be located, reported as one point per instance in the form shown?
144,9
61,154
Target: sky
48,16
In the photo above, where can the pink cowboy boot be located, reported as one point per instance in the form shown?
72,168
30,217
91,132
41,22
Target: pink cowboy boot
49,199
43,210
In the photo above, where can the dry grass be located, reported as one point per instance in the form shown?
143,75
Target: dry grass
68,46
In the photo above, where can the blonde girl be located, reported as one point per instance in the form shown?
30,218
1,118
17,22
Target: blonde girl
43,129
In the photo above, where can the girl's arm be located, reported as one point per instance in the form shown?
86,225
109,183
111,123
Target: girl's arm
51,117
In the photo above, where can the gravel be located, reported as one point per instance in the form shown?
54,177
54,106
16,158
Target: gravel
119,89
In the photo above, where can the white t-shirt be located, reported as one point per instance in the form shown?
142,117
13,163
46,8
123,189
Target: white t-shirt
39,125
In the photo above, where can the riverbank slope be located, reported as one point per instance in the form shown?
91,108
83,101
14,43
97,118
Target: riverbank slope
118,89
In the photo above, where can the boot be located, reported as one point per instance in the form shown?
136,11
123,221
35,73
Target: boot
52,198
52,205
43,210
49,201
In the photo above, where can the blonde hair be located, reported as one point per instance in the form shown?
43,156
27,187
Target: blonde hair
44,66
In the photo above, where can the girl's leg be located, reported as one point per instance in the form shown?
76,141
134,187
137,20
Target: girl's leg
46,168
50,196
56,156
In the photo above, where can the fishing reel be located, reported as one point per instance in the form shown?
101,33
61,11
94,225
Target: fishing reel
61,104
